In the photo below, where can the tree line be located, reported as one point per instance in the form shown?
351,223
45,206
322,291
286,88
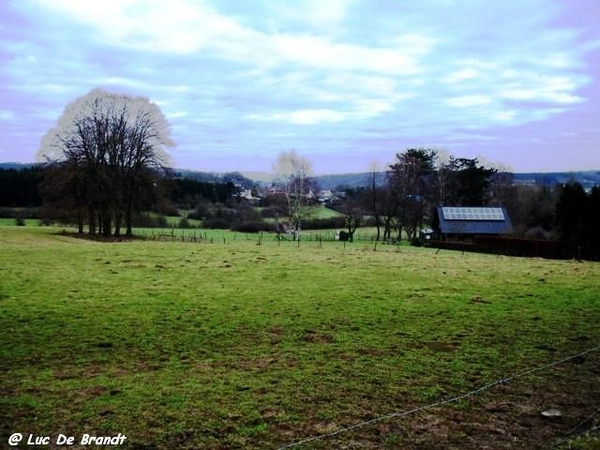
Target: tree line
421,179
106,160
19,187
418,181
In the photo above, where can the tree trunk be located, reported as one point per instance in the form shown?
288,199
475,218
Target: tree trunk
387,231
129,217
106,224
118,221
92,223
375,213
79,222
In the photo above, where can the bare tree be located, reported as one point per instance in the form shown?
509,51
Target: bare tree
375,198
293,173
113,142
389,210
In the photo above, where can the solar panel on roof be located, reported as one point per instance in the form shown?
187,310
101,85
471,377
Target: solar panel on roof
462,213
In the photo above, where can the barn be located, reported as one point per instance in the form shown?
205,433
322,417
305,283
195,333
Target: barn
452,223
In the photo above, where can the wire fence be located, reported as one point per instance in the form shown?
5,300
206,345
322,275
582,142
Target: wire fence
310,238
402,414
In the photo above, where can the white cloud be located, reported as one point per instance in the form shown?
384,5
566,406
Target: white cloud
558,61
463,75
247,74
468,101
122,82
177,114
185,27
178,88
7,115
321,53
504,115
311,13
301,117
542,94
178,27
542,88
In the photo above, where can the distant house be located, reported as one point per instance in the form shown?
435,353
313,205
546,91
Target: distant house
326,196
464,223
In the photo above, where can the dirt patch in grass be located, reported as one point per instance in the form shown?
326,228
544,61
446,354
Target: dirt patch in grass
508,416
317,337
260,363
436,346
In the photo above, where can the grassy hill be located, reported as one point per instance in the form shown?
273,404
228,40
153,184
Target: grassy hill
239,345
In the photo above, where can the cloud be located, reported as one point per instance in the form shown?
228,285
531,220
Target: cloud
7,115
122,82
310,13
301,117
184,27
259,76
462,75
178,27
320,53
467,101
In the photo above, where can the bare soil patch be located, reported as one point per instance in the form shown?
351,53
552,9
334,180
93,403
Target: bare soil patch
508,416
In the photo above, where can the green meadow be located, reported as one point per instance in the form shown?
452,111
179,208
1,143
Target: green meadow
237,342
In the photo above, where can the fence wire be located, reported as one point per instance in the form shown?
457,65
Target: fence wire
402,414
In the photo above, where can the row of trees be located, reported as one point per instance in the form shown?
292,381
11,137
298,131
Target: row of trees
415,183
19,188
419,180
104,157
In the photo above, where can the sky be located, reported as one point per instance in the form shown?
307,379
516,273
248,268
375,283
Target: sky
348,84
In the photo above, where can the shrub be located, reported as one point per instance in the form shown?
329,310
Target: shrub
416,242
202,212
161,221
217,223
537,233
344,236
321,224
166,208
25,213
368,222
271,212
145,220
252,227
184,223
20,221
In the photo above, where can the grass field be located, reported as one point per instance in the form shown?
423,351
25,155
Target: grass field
364,235
239,345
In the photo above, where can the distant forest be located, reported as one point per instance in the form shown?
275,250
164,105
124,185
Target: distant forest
587,179
19,183
556,206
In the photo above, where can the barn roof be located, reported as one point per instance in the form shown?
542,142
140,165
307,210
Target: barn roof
468,220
